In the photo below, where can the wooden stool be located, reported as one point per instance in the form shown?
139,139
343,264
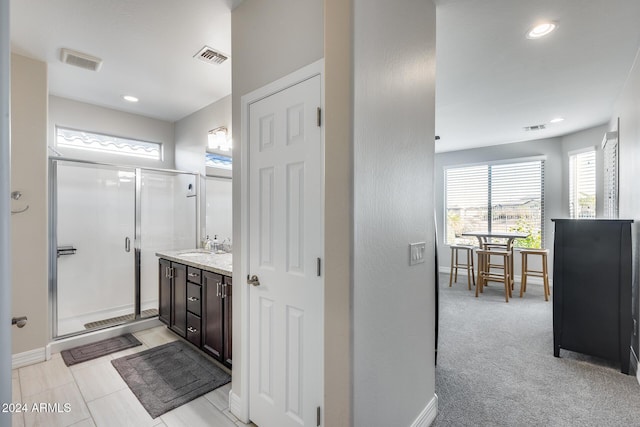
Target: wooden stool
501,247
536,273
456,264
485,274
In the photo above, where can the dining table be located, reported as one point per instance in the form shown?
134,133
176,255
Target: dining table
487,236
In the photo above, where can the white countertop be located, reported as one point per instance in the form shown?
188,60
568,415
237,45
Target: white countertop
220,263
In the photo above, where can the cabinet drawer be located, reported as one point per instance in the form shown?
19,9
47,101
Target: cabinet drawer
194,298
194,275
193,329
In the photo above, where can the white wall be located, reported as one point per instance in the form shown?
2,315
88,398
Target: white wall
394,124
29,245
270,40
627,108
92,118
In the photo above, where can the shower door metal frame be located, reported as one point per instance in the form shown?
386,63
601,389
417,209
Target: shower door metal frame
53,234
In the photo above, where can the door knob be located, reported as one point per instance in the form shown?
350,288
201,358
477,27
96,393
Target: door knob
253,280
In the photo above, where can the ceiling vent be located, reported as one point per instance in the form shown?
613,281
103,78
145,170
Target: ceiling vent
79,59
535,127
210,56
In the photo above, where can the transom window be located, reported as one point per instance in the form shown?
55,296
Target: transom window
110,144
507,197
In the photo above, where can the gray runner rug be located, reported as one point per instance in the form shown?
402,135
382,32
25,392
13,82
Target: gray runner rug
98,349
168,376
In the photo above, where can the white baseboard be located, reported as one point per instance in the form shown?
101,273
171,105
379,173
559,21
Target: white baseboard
237,408
27,358
428,414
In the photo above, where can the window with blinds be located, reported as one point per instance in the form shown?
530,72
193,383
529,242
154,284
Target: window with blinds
495,197
610,154
582,184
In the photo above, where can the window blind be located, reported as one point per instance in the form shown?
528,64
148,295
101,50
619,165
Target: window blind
504,197
582,185
610,151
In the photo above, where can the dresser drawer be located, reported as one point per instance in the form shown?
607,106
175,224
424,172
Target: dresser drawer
194,299
194,275
194,324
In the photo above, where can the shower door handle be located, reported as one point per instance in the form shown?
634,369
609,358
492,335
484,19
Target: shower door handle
127,244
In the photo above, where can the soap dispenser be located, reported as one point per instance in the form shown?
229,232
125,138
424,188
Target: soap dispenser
207,244
215,244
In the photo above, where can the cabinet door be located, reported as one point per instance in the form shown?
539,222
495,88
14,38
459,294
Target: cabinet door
164,307
179,299
228,292
212,319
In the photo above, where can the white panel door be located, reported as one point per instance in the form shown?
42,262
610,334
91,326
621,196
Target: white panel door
286,316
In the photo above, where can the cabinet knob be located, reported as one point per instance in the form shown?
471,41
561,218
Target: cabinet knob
192,330
192,299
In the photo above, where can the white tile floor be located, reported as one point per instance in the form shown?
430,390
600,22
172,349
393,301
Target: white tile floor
99,397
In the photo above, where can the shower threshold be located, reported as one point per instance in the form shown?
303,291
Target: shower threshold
120,319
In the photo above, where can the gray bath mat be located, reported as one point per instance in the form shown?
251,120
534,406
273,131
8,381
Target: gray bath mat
98,349
170,375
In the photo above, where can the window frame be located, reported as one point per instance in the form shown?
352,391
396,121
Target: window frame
573,154
542,159
160,145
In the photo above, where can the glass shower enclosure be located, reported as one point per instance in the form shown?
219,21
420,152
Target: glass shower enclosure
107,223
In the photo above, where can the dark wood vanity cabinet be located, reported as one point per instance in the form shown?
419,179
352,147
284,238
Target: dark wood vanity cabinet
178,322
172,309
213,342
196,304
227,315
164,307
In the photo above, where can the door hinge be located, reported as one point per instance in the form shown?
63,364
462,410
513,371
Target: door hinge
318,416
318,266
319,116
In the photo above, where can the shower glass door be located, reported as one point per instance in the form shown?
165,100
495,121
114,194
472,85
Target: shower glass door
95,215
167,209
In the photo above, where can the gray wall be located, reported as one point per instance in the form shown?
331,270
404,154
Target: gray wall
270,40
627,108
92,118
394,124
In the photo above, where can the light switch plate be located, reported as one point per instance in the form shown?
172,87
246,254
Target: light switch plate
416,252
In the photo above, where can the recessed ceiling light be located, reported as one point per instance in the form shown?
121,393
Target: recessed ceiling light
557,120
541,30
130,98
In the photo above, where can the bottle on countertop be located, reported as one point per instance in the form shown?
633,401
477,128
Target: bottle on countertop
215,244
207,244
